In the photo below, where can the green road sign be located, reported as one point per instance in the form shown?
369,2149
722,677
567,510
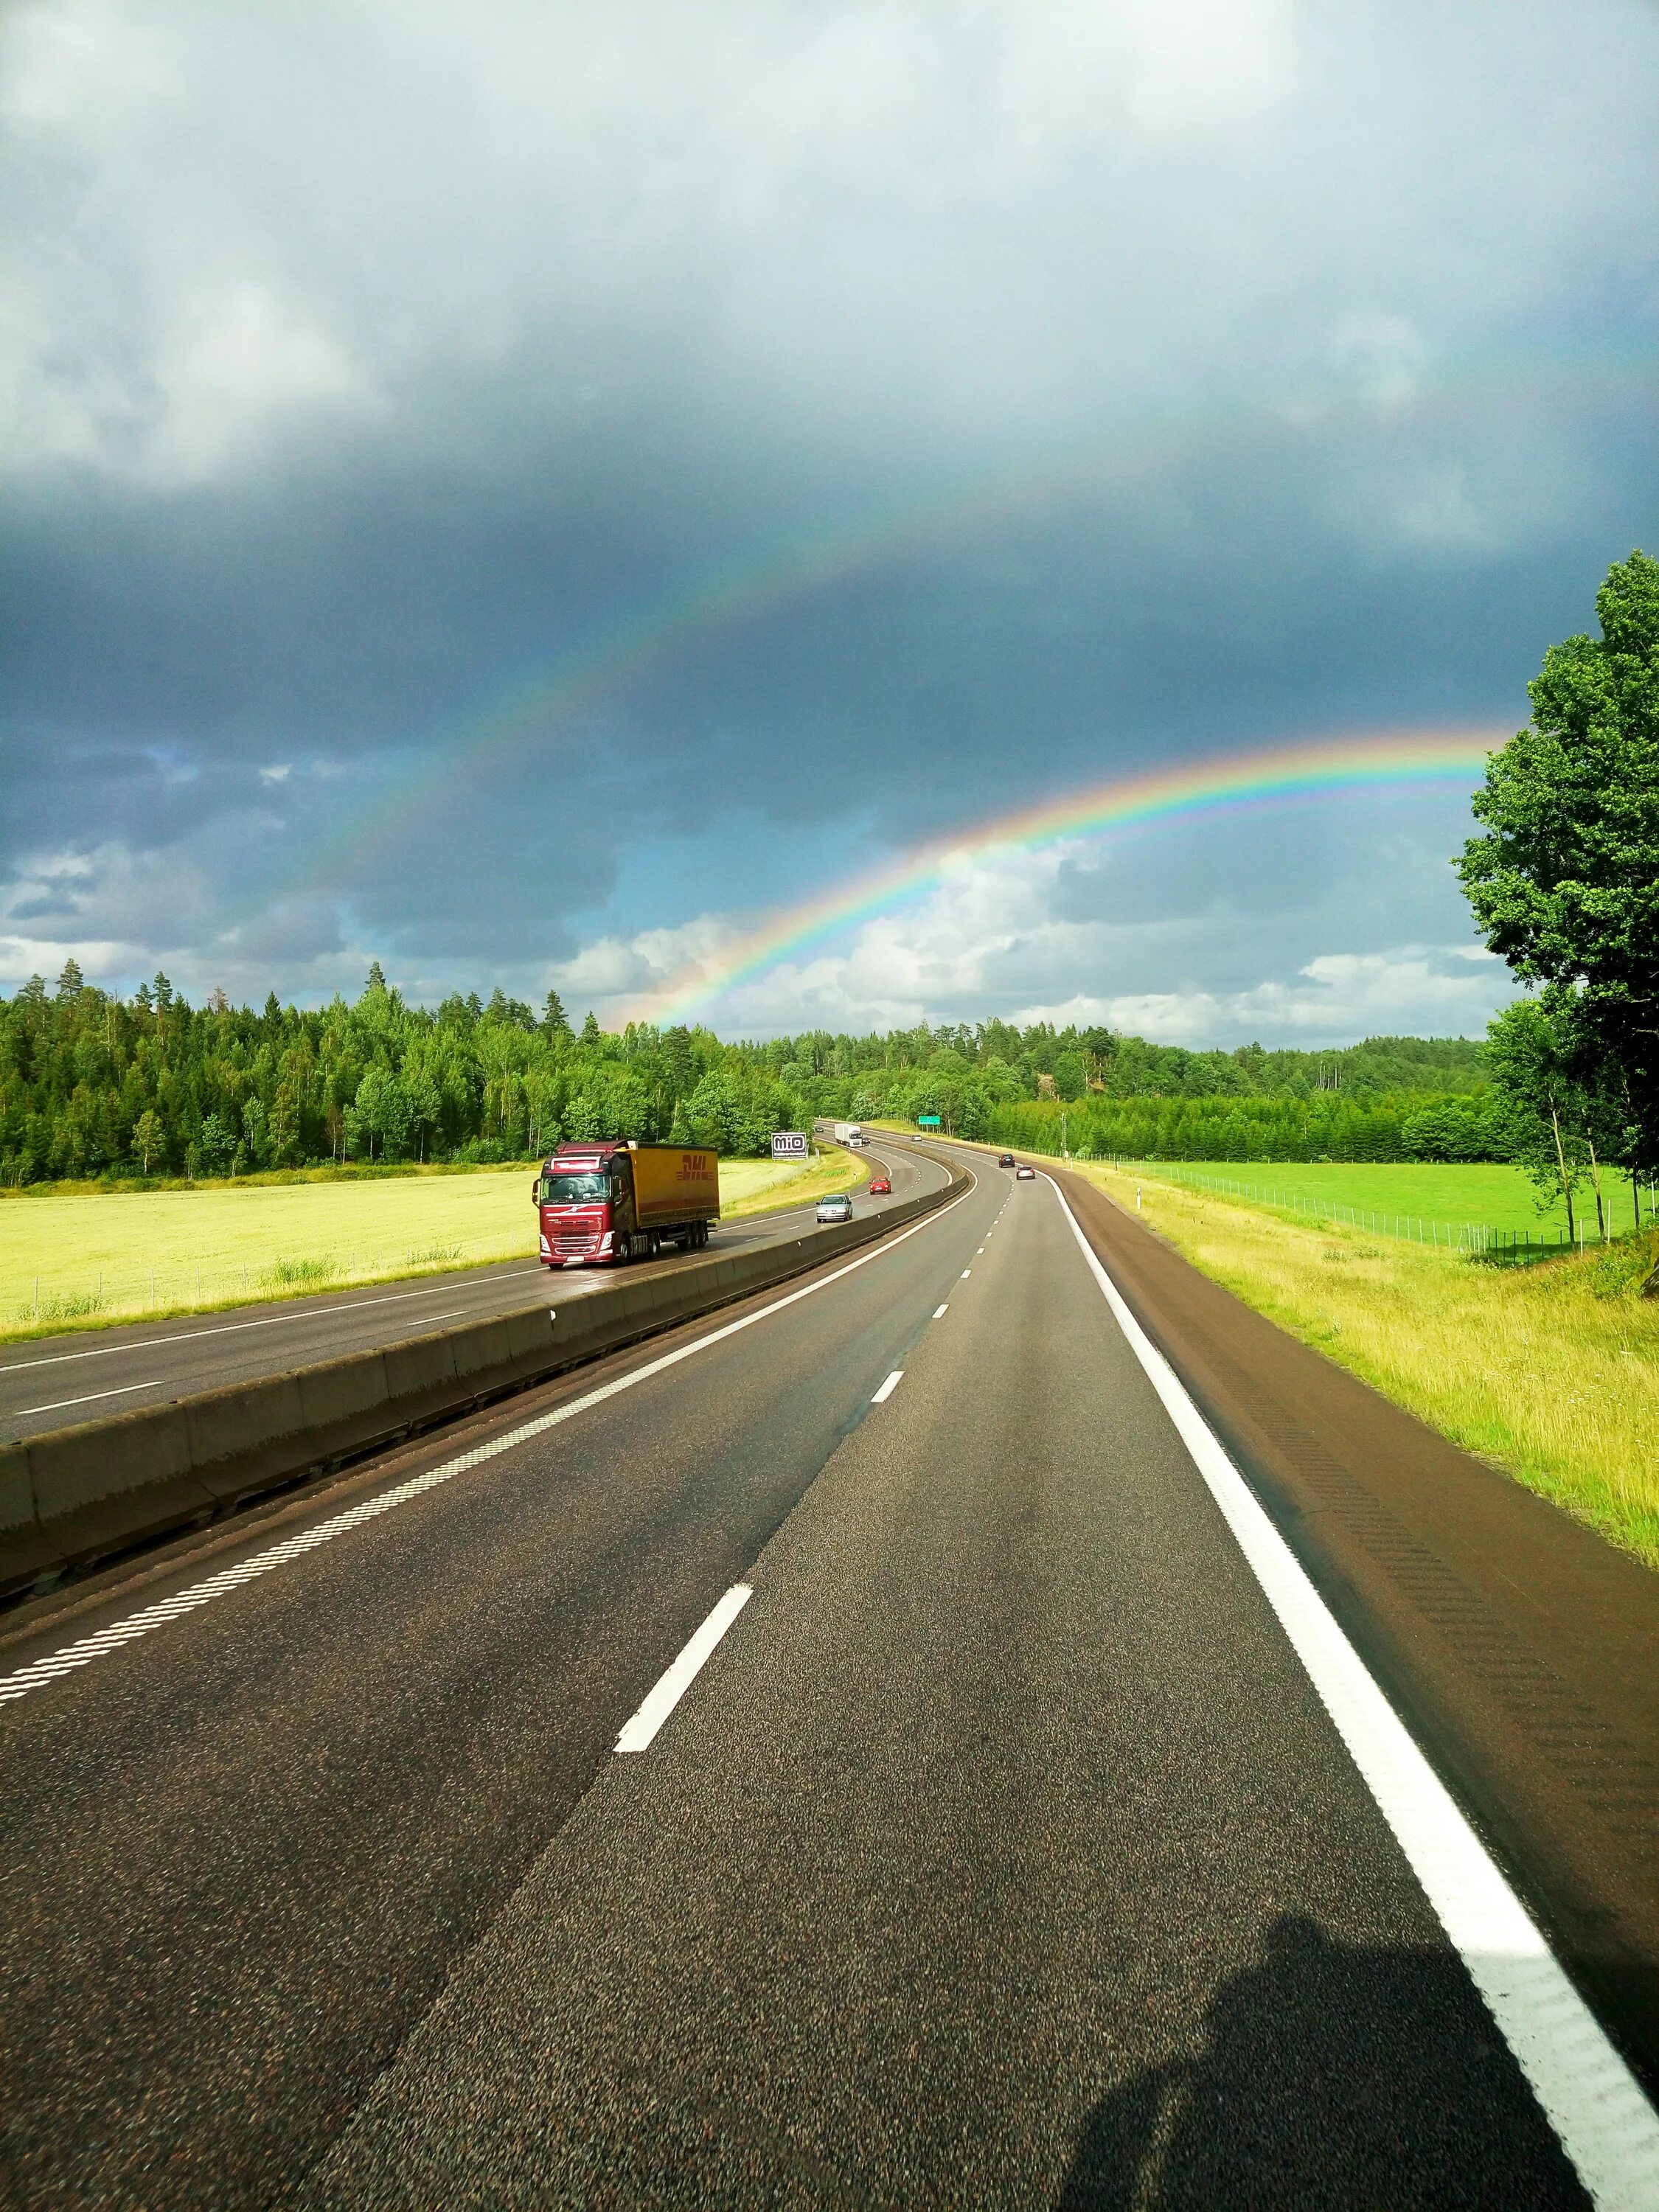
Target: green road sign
928,1120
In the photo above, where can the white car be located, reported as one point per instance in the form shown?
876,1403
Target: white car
1025,1174
837,1207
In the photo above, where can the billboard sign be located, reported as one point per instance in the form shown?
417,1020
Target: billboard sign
790,1144
928,1120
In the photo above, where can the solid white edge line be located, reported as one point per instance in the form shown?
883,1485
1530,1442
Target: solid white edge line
660,1701
888,1387
1606,2125
38,1672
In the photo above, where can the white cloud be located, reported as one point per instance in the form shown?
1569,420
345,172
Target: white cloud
987,941
1410,990
1439,510
1383,355
238,371
1204,67
615,971
123,913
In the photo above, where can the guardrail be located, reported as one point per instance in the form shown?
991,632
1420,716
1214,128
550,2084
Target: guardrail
79,1495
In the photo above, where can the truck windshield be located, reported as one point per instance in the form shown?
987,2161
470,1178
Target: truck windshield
575,1190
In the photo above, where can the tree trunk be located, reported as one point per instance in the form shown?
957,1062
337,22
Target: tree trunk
1596,1185
1561,1163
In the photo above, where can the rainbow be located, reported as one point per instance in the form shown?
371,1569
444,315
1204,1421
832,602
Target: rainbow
1398,760
519,726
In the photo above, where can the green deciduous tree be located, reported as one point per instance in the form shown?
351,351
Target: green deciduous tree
148,1139
217,1145
1532,1066
1563,878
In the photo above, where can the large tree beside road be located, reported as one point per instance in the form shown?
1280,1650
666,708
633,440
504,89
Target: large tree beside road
1563,878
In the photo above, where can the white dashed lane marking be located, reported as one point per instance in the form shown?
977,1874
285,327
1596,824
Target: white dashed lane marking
888,1387
661,1701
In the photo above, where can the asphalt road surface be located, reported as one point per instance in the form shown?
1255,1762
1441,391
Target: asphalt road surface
52,1382
1001,1853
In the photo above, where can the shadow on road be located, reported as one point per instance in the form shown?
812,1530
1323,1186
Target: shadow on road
1332,2076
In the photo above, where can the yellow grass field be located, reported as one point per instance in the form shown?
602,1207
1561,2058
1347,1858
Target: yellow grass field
85,1261
1548,1371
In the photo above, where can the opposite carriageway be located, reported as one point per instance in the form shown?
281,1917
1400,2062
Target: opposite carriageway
51,1383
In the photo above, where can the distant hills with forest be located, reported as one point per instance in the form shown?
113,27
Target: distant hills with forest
94,1085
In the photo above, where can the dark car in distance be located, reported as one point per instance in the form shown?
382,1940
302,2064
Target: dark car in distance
1006,1160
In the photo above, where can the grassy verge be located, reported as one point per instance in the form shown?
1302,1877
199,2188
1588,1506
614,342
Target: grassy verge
78,1262
766,1187
1548,1372
1425,1201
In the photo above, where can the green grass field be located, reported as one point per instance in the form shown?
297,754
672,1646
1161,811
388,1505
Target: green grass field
86,1261
1403,1199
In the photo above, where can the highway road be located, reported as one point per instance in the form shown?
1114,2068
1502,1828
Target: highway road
54,1382
1022,1839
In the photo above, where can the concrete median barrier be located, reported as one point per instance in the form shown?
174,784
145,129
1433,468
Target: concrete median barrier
79,1495
107,1484
240,1436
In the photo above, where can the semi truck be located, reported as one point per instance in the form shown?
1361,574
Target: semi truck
601,1204
848,1132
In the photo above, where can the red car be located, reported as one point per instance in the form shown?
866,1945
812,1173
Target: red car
880,1188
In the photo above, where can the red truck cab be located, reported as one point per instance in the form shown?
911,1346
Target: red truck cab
600,1204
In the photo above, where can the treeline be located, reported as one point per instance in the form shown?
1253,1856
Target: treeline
94,1085
871,1074
1478,1126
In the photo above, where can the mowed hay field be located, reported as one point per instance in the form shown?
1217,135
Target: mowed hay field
1549,1372
1408,1199
89,1259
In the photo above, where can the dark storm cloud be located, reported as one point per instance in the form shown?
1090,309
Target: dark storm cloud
1162,380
